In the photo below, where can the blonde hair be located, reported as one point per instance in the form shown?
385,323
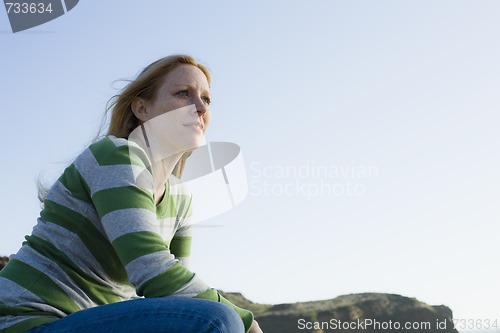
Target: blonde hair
146,85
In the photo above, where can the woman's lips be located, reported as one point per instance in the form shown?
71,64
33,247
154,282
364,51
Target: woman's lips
197,126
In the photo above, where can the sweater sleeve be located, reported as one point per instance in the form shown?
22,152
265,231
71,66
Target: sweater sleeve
121,188
180,246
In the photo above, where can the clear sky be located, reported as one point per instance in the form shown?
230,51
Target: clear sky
369,131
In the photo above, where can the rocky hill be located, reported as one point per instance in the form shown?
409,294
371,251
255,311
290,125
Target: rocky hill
356,313
367,313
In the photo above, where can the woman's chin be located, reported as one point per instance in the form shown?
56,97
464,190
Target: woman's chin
195,142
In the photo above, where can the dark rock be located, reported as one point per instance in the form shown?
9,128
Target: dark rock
3,262
367,313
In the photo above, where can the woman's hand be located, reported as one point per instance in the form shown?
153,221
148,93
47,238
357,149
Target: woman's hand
255,328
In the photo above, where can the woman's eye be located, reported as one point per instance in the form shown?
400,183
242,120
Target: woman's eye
207,100
185,93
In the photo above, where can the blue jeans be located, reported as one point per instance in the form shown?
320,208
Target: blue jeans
150,315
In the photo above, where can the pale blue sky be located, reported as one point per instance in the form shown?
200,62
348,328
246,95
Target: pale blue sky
406,88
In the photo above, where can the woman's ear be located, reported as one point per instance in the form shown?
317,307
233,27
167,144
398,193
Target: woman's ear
138,107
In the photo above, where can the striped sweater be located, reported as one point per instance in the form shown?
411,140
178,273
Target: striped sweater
101,239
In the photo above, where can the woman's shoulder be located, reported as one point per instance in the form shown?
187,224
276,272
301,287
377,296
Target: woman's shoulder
108,144
111,150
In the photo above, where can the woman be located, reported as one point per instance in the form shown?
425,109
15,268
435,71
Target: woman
115,226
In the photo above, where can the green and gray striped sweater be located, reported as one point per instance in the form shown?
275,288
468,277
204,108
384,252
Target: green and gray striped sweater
101,239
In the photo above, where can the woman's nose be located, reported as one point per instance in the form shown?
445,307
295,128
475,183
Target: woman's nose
201,107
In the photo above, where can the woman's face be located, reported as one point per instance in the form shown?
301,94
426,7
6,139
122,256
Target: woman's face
184,85
179,114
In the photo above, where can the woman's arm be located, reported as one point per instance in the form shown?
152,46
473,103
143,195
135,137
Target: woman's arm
180,246
121,187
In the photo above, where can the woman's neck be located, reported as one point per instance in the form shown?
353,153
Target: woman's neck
161,172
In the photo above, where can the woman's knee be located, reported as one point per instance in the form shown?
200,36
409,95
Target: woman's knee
225,319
